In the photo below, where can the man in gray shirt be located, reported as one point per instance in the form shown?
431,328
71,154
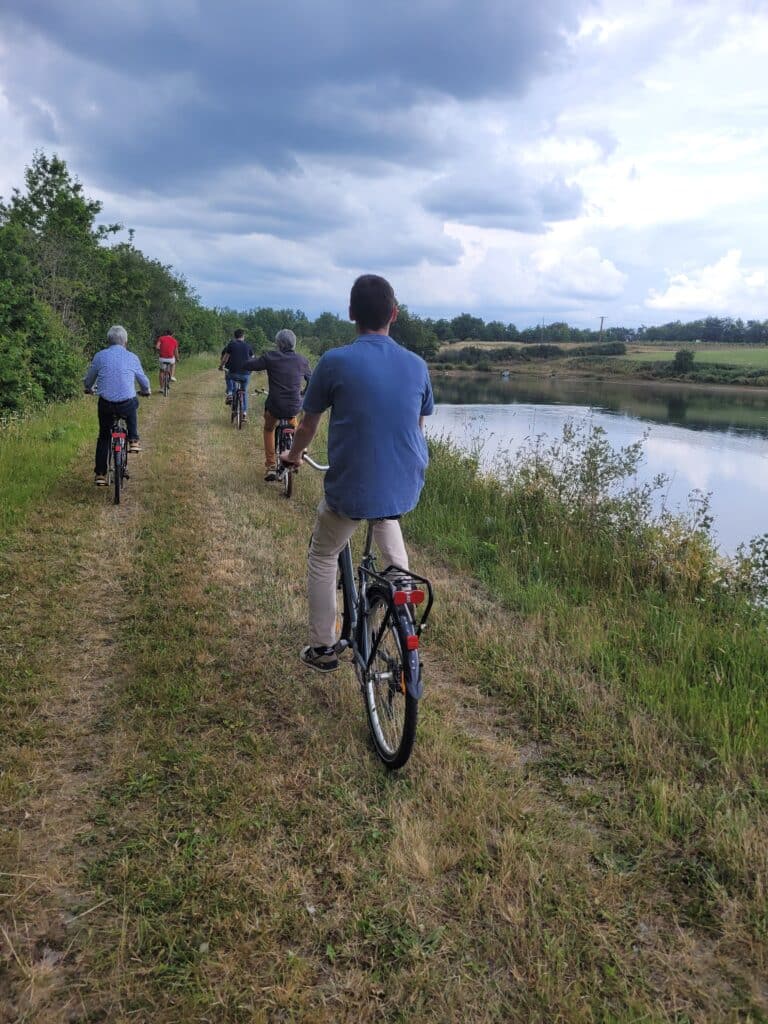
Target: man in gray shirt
287,371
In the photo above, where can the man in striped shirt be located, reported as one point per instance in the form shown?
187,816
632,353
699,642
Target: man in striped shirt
114,372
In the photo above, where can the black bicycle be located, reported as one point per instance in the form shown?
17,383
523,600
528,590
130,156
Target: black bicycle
117,457
237,414
284,432
383,616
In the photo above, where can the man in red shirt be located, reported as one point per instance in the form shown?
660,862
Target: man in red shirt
167,349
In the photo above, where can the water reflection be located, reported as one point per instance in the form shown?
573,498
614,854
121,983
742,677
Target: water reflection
696,408
714,441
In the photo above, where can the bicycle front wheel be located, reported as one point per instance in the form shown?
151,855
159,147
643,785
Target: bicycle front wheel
392,711
287,483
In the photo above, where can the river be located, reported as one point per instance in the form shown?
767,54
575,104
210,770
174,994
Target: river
713,440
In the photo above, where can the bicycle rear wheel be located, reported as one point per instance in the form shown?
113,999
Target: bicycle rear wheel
239,409
392,711
117,457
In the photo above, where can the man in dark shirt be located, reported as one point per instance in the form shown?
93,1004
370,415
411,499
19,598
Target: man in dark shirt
234,356
286,373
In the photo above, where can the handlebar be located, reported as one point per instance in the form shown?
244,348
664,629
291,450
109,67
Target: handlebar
315,465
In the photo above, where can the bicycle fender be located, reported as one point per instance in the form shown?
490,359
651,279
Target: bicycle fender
413,681
413,678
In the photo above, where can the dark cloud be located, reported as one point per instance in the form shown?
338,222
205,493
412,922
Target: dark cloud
170,92
505,201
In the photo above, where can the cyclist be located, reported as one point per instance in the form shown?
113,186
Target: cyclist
378,394
167,349
287,372
234,355
114,370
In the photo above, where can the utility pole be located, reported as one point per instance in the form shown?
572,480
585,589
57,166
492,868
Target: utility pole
600,339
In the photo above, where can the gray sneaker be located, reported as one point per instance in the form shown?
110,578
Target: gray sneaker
321,659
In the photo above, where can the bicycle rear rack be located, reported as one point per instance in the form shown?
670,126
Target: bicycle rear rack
406,589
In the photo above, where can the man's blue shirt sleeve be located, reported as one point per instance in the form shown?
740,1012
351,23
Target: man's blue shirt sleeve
91,374
317,397
141,377
428,401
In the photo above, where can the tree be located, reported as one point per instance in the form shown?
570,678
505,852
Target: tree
411,332
467,326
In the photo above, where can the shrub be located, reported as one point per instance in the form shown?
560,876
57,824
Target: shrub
683,361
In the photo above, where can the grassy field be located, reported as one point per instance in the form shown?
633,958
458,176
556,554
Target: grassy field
754,357
37,449
193,827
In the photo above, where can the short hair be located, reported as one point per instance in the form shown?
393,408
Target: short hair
239,333
117,335
371,302
286,340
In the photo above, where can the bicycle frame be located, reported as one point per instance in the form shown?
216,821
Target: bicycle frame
400,595
401,591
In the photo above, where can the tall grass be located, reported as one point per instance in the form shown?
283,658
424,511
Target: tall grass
642,605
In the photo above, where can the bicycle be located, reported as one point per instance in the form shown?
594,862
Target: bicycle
381,627
165,379
117,458
284,432
237,413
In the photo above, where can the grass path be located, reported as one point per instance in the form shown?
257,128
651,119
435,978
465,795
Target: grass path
195,829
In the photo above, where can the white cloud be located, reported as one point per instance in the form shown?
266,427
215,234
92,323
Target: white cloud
721,287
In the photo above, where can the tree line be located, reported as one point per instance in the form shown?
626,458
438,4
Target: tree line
65,278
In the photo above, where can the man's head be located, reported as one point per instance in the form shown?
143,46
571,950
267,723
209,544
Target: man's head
372,303
117,335
239,334
285,340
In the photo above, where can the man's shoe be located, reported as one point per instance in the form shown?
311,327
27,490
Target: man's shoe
173,379
228,400
100,481
134,447
321,659
271,475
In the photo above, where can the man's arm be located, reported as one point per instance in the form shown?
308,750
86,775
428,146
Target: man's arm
90,375
302,438
141,377
255,363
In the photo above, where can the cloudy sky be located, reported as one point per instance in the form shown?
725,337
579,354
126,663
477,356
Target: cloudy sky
557,159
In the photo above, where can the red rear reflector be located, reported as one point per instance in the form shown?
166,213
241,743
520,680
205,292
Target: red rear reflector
412,643
400,597
416,597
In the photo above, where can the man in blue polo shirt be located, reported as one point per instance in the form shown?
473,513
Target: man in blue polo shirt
378,394
114,371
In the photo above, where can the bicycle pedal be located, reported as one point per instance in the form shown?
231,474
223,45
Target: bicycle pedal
126,475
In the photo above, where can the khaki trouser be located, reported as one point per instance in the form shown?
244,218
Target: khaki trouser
331,533
270,422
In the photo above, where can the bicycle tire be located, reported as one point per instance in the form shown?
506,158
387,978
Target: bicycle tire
240,410
392,711
118,474
287,483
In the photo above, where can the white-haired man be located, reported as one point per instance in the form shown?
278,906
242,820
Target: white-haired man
114,371
287,371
